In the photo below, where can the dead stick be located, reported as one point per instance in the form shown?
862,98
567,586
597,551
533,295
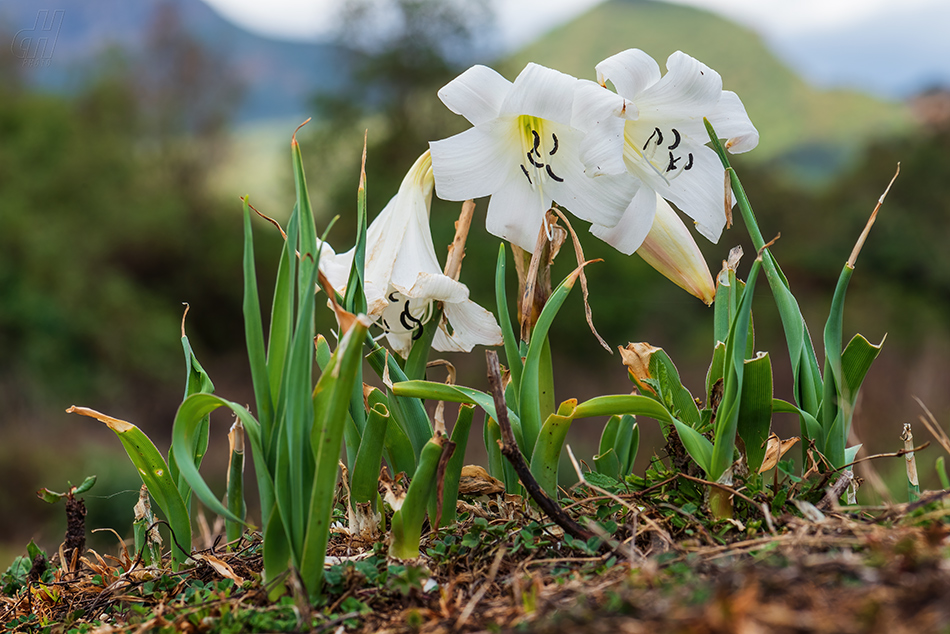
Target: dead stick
510,450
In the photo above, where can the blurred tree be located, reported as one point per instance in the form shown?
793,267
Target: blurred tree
108,226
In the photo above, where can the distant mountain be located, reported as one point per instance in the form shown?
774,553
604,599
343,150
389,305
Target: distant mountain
790,114
279,77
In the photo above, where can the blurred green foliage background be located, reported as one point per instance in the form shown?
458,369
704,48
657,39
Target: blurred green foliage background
119,201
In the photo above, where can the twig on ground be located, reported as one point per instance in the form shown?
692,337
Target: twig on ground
510,450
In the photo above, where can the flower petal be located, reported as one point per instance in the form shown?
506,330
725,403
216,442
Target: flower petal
435,286
541,92
670,249
699,193
515,213
476,94
476,162
594,104
690,89
628,234
631,72
731,122
471,326
601,149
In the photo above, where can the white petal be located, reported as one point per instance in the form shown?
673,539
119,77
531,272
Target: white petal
471,326
598,199
429,286
631,72
476,94
594,104
541,92
601,149
628,234
699,193
415,254
400,342
731,122
690,89
476,162
515,213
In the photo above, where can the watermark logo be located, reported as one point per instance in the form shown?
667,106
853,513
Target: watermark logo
35,46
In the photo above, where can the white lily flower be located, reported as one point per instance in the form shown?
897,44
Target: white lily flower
652,128
523,152
402,276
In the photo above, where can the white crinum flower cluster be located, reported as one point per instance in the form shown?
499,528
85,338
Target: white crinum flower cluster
611,158
603,155
403,277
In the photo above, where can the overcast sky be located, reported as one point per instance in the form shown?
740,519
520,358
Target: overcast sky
311,18
891,48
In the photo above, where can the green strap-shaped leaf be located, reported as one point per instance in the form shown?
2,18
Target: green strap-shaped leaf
453,470
433,391
155,474
408,413
807,385
364,472
253,326
331,401
697,445
547,452
407,521
814,429
727,417
533,381
512,352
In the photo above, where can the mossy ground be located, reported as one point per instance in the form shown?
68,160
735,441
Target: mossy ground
504,568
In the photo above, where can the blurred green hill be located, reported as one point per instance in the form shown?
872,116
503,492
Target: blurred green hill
789,113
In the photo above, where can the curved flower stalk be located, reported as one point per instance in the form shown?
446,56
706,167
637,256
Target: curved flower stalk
403,277
523,152
652,129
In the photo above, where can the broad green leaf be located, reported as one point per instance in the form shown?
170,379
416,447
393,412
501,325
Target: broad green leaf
628,443
607,463
633,404
755,409
811,427
683,406
856,360
408,413
697,445
609,435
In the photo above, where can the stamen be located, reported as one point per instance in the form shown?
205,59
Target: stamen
526,174
418,333
677,141
547,168
537,142
672,165
531,160
659,140
554,136
689,162
391,298
405,316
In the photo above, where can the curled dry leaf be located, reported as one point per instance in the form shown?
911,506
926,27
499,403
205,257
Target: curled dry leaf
774,451
475,480
636,356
